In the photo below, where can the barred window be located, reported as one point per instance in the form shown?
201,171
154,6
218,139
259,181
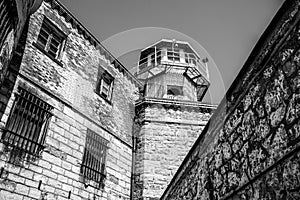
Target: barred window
105,84
50,39
93,162
27,124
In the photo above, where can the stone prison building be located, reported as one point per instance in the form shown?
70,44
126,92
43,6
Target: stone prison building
77,124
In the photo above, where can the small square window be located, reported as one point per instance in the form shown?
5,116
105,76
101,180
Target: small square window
174,90
50,39
105,84
173,54
27,124
94,158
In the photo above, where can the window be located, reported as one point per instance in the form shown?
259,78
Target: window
27,124
158,57
173,54
51,39
105,84
174,90
93,162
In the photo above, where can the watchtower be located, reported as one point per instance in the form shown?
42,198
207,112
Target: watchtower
170,114
173,69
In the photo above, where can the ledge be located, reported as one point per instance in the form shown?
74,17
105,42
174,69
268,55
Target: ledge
175,102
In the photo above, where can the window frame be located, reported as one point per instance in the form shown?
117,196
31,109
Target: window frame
52,31
177,87
173,54
91,168
104,78
26,127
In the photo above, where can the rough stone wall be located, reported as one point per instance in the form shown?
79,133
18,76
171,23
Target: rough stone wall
74,78
59,165
68,85
164,136
250,150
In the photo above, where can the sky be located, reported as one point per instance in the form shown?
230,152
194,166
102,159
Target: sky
224,31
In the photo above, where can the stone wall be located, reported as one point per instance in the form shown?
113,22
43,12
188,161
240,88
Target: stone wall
250,148
164,133
74,78
68,85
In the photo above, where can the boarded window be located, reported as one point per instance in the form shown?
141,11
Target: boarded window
27,124
93,162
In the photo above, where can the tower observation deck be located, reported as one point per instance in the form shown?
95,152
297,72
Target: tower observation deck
172,69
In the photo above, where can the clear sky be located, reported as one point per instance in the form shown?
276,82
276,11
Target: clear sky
225,31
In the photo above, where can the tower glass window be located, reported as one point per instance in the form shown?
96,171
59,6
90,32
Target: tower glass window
173,54
27,124
51,39
93,162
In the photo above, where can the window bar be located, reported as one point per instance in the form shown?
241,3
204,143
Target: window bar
99,157
45,130
16,120
35,132
41,122
29,136
91,161
23,119
26,133
90,158
99,160
45,109
17,134
87,164
35,117
94,156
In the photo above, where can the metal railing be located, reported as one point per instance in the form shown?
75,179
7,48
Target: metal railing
177,58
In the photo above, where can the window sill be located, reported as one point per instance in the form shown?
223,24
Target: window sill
103,97
39,47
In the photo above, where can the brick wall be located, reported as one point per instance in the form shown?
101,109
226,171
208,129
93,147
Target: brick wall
69,87
164,133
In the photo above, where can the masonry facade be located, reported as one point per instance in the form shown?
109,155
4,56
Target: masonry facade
66,129
76,124
164,134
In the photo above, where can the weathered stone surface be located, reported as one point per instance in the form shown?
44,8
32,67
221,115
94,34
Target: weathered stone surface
69,88
164,133
75,81
254,154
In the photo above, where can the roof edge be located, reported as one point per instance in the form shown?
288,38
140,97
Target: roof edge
70,18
